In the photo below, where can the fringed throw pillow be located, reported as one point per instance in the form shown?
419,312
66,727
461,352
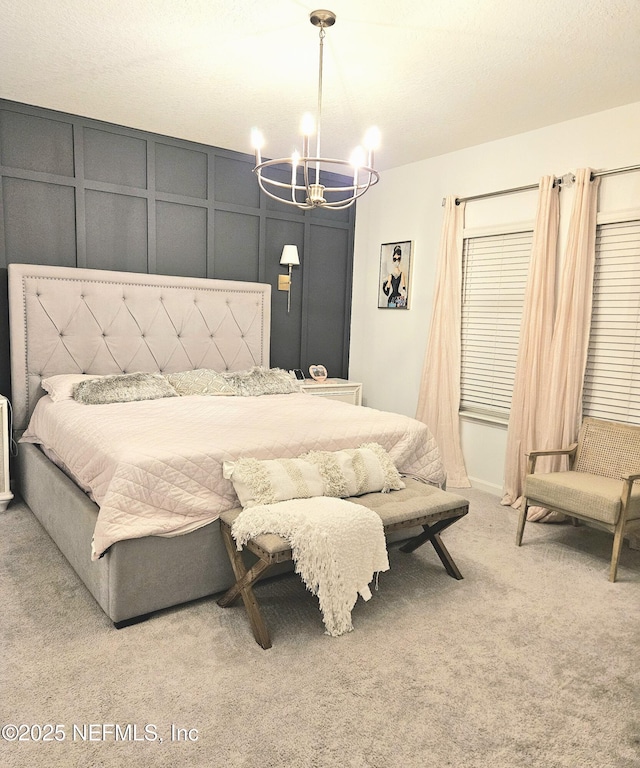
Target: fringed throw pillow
354,471
261,381
124,388
268,481
350,472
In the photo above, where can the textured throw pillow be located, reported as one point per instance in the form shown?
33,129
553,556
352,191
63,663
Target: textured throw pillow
60,387
261,381
202,381
123,389
272,480
354,471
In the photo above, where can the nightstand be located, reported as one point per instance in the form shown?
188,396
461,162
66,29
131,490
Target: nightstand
335,389
5,437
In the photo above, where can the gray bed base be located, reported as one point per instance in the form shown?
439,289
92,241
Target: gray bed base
68,320
136,576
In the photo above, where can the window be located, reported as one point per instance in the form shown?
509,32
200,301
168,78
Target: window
494,277
612,377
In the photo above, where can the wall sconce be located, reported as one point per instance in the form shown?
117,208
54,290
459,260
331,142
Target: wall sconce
289,258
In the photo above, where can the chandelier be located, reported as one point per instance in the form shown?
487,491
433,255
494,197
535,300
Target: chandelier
305,189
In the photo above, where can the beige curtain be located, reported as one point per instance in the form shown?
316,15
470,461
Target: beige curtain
561,406
531,377
439,398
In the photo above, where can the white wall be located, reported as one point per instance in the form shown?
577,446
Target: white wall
387,346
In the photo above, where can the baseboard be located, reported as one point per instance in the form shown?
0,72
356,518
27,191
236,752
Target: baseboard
482,485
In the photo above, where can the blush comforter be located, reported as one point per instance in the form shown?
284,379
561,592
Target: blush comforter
155,467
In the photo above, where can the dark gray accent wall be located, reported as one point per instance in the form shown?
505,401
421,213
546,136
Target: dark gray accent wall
79,192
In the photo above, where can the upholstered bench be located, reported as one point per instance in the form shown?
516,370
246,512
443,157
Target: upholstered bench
417,505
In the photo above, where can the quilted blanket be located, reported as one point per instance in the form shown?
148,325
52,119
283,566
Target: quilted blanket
155,467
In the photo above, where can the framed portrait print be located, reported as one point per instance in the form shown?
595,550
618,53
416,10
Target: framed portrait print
395,275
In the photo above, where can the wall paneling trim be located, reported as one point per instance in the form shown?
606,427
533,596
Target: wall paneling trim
83,193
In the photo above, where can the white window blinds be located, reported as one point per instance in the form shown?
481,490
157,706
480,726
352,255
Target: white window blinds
612,378
495,269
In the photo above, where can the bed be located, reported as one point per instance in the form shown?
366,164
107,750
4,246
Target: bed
66,321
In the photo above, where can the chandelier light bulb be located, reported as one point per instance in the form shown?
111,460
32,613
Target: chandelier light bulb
295,159
257,139
372,138
357,159
307,124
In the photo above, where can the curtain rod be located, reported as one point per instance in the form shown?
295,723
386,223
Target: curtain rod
483,195
498,192
567,179
615,170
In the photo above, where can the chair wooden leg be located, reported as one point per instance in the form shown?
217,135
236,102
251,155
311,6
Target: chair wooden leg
243,587
618,540
522,520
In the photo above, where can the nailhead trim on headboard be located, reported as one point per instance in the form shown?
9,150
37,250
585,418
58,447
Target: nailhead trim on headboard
66,320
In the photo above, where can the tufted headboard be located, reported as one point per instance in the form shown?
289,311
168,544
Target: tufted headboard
68,320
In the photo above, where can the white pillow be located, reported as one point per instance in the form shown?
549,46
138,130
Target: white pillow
201,381
354,471
272,480
60,387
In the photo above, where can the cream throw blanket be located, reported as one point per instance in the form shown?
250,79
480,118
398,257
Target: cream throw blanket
337,548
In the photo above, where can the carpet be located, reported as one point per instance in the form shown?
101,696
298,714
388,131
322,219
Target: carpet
530,661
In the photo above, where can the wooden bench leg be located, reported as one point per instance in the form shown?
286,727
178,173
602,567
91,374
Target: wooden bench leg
445,557
432,533
247,580
243,587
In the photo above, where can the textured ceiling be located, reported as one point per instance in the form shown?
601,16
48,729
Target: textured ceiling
434,75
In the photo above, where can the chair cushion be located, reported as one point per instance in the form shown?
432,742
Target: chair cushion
587,495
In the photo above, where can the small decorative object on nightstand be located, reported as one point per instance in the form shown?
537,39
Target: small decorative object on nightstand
318,372
335,389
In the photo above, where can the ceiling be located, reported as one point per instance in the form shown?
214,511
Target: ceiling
434,75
